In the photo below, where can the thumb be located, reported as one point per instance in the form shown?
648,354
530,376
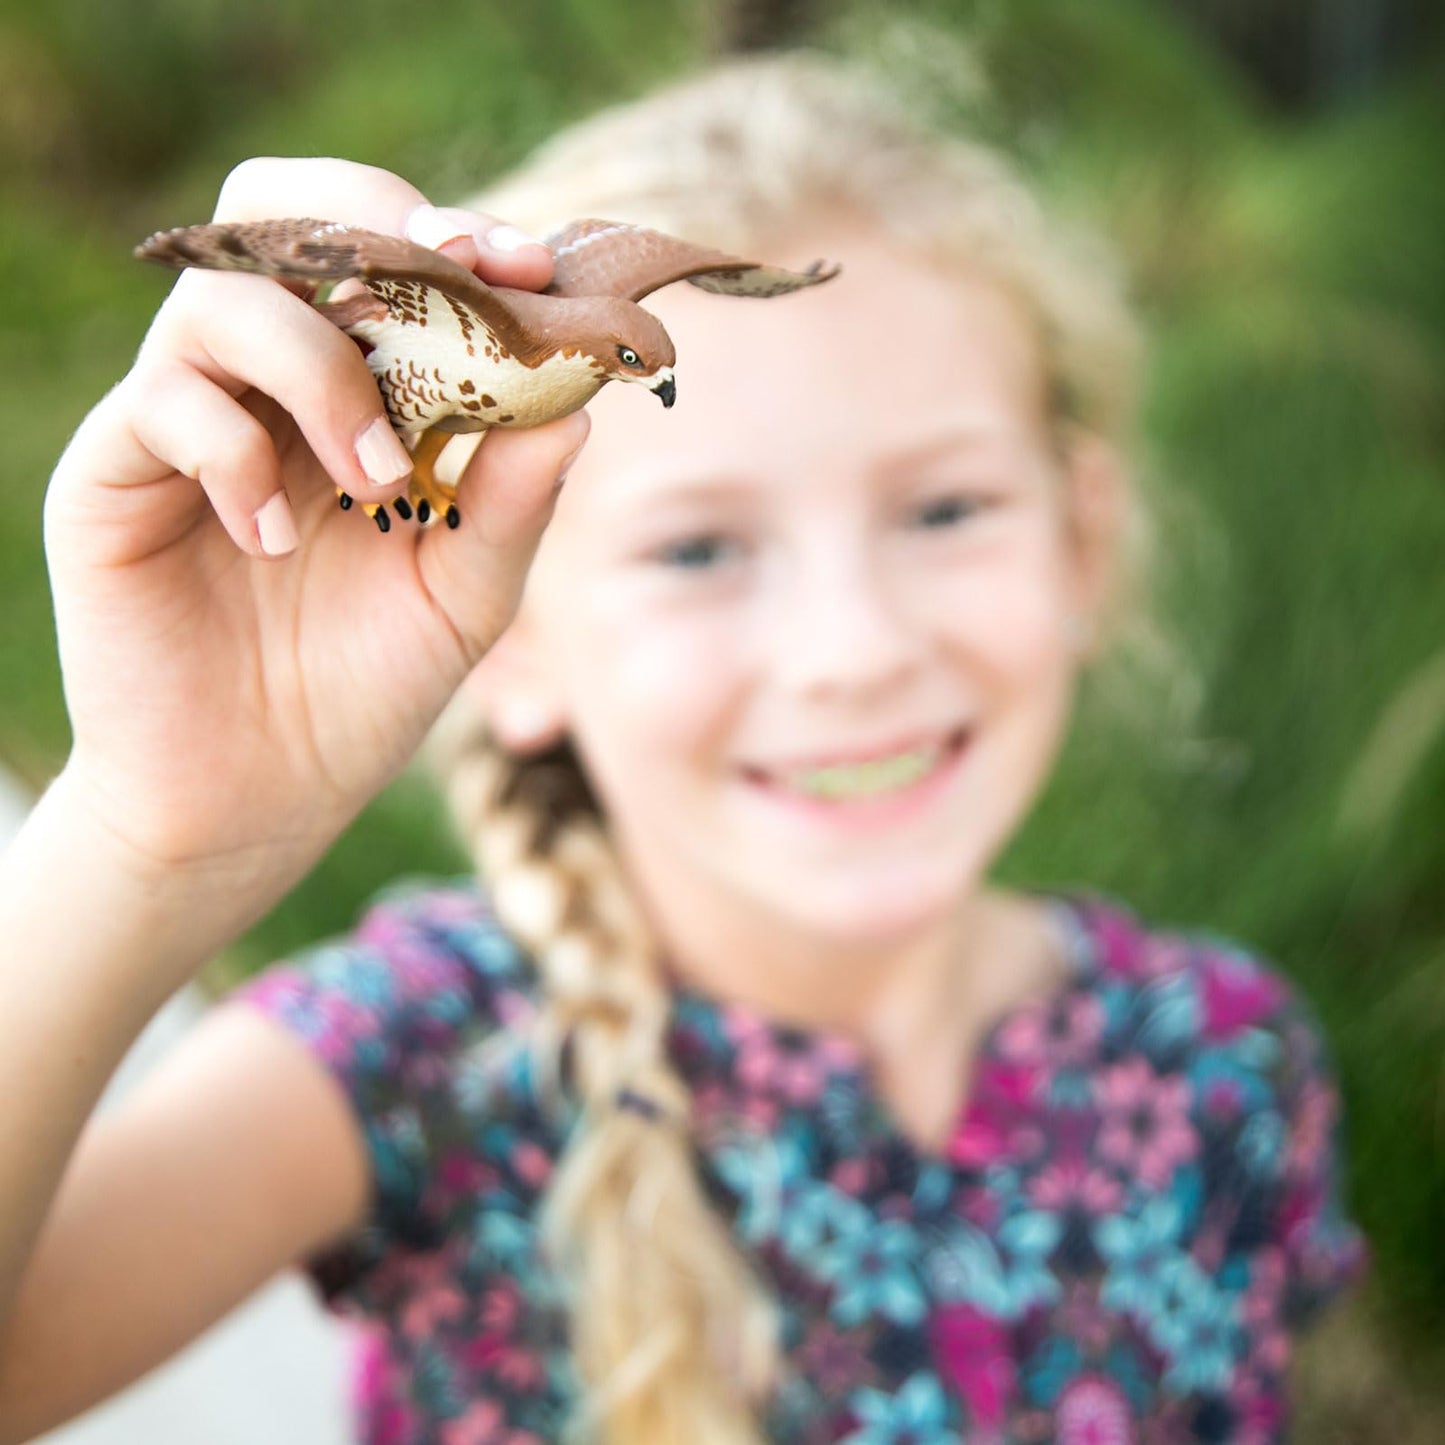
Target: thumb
506,495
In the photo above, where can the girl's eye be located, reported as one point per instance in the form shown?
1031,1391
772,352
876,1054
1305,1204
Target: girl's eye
946,511
693,554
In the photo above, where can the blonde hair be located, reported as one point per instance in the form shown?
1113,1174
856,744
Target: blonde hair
674,1338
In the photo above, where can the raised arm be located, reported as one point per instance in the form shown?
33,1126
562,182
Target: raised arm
244,667
237,1156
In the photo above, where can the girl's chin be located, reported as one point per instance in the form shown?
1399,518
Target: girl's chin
870,911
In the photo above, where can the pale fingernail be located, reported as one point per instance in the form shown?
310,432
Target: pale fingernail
509,238
581,426
567,463
382,456
428,226
276,527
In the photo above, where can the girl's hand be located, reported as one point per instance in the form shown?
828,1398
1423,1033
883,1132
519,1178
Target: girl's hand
244,663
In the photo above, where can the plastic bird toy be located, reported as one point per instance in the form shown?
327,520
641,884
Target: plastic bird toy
452,354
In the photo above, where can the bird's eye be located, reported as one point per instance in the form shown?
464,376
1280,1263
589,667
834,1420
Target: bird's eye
628,355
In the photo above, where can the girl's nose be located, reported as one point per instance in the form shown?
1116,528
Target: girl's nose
842,628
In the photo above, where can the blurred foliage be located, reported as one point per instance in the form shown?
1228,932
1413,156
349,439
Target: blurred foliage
1290,274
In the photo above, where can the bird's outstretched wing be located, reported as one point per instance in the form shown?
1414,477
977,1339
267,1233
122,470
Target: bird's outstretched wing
309,250
611,258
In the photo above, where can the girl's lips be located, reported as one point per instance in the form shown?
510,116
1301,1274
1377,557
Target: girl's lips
909,744
878,810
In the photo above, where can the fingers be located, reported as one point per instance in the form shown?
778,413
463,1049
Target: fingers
207,435
475,574
243,332
220,335
498,253
336,190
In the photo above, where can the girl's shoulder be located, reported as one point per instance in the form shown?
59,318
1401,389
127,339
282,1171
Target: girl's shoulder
1199,1044
427,958
1193,999
1201,1007
418,1013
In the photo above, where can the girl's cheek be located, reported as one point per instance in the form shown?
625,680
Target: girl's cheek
1006,609
669,677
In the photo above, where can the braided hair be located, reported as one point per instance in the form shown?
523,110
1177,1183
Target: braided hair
670,1329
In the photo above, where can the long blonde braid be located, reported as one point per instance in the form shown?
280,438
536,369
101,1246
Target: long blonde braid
671,1333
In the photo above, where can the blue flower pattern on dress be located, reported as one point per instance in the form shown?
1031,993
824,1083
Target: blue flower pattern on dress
1134,1213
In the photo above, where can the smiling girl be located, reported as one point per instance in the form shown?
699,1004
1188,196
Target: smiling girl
735,1102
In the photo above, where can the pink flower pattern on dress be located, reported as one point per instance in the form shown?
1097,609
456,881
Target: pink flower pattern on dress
1094,1411
1236,994
1145,1131
1075,1183
773,1061
975,1356
484,1423
1065,1036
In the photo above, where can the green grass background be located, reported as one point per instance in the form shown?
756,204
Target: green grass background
1293,279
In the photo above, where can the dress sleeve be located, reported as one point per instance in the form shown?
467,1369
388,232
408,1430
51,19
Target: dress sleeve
388,1010
1324,1251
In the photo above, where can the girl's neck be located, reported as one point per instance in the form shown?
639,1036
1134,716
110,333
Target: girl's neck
917,1011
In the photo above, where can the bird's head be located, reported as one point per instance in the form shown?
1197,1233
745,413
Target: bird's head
633,346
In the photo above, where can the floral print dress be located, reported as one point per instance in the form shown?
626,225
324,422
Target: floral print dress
1135,1212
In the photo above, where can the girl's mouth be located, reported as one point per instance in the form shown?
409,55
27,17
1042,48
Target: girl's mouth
884,789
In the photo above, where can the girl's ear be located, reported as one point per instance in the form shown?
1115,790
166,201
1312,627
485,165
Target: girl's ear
512,689
1097,495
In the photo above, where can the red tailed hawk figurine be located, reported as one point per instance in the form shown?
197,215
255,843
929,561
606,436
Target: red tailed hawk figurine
453,354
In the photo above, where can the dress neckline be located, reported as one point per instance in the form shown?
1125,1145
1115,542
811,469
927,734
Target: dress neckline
770,1072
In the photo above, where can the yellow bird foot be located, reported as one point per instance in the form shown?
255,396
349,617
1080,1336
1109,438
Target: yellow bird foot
428,493
375,510
447,510
424,491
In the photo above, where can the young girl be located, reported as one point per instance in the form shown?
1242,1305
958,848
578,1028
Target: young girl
737,1104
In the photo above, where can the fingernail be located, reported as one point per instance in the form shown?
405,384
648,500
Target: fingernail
276,527
382,456
428,226
567,463
509,238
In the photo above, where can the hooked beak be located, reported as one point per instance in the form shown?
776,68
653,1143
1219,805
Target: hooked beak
666,389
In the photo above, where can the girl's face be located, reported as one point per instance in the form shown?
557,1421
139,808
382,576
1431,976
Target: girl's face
847,541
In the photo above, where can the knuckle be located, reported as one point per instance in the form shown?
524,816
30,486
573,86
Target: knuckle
245,183
152,378
245,447
235,448
327,186
192,300
333,375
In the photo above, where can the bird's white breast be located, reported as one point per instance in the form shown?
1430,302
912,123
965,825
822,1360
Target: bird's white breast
436,360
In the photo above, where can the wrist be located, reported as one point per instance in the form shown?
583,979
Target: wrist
70,873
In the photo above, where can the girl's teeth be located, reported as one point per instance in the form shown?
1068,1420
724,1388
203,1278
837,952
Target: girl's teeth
854,780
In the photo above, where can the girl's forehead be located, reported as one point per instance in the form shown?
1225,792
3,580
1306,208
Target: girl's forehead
898,354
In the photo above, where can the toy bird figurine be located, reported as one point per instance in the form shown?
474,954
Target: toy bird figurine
452,354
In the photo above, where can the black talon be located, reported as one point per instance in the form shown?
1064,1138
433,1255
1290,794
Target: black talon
403,509
423,511
382,519
454,518
345,501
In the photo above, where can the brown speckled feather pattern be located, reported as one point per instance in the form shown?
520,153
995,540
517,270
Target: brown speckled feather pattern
611,258
311,250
